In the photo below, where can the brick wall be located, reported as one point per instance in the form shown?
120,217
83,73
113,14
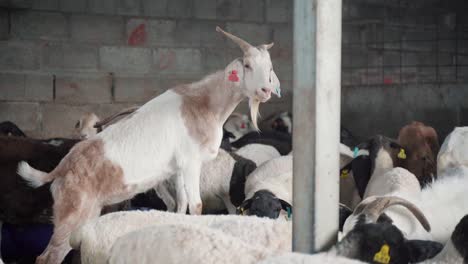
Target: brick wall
402,59
61,58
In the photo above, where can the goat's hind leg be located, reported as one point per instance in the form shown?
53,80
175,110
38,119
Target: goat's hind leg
70,212
162,190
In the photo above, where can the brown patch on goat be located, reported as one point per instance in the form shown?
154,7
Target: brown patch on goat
422,146
206,105
85,180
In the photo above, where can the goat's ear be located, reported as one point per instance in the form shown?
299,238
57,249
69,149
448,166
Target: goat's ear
244,206
420,250
235,72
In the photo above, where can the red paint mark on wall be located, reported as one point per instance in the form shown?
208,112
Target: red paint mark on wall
387,80
138,36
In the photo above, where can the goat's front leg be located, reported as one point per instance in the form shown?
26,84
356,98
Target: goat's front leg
191,177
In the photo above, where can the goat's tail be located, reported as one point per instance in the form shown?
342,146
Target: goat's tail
35,178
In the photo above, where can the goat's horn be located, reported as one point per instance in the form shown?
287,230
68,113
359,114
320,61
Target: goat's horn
244,45
374,209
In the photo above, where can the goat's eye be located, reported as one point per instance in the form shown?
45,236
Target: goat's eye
247,66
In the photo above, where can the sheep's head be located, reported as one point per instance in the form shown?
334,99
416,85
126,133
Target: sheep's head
264,204
384,243
253,73
84,128
371,236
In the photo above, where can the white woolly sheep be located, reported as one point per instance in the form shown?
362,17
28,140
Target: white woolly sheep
222,180
268,189
395,180
184,244
454,150
456,249
379,155
172,134
95,238
258,153
431,206
298,258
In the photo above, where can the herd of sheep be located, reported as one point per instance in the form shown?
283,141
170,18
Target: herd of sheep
402,200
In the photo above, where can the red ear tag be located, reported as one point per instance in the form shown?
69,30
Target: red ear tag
233,76
243,125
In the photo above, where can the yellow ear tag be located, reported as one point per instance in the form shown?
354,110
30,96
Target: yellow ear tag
344,174
241,209
402,154
383,255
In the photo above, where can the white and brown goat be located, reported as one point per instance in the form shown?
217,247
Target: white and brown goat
171,134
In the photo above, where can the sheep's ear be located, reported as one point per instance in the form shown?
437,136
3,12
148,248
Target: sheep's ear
395,145
348,167
420,250
344,213
244,206
365,145
285,205
242,168
361,168
227,134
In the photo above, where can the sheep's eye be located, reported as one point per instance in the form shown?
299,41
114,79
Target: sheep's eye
247,66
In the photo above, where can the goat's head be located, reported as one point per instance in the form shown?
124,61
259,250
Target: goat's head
84,127
253,73
370,235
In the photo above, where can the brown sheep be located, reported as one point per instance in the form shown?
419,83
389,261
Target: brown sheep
422,146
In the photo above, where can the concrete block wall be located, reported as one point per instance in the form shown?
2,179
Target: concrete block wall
402,60
62,58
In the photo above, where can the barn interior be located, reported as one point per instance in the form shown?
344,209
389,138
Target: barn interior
401,60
